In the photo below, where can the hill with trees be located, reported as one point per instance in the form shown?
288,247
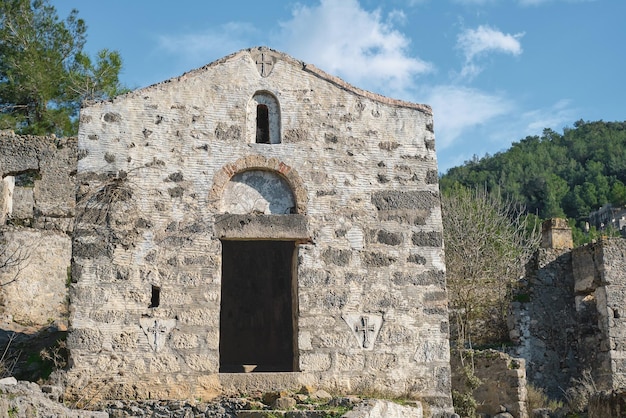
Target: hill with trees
555,175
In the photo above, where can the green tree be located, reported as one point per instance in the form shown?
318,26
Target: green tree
556,190
44,74
618,193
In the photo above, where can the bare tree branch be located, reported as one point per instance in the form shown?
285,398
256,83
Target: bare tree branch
488,242
13,258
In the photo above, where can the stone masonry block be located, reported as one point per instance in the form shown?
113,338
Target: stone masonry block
396,199
427,239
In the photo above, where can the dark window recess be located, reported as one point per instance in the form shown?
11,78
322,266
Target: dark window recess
156,297
27,178
262,124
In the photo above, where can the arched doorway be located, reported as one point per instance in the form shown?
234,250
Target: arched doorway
258,290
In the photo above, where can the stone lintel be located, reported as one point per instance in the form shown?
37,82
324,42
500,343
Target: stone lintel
256,226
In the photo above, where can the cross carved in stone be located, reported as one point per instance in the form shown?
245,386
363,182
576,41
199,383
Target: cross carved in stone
264,65
157,331
366,328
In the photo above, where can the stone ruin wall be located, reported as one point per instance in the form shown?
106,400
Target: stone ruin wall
502,381
154,169
37,195
567,319
600,284
543,321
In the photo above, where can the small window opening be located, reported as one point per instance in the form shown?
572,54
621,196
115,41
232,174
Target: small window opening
262,124
27,178
156,297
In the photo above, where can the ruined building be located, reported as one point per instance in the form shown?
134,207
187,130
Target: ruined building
37,189
568,319
258,224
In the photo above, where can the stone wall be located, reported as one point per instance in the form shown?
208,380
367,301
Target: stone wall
503,381
600,274
37,195
38,181
567,317
158,169
543,321
35,288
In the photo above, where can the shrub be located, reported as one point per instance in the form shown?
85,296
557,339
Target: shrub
580,391
536,398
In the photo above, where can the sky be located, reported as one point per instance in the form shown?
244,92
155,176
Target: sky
494,71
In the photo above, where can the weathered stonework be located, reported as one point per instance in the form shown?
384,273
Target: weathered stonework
37,195
608,404
544,322
187,185
568,320
503,381
556,234
34,288
600,283
37,187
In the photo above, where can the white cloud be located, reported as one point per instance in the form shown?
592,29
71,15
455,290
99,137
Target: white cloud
345,40
457,109
530,122
492,129
196,49
396,16
478,42
554,117
521,2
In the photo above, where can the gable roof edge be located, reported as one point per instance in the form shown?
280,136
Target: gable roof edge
310,68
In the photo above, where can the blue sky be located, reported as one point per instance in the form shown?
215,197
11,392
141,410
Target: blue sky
494,71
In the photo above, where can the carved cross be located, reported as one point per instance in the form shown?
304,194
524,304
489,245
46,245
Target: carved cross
366,328
157,330
264,65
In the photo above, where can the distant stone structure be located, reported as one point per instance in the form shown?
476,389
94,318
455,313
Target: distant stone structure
609,216
258,224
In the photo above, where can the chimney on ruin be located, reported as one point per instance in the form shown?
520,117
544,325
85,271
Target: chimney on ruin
556,234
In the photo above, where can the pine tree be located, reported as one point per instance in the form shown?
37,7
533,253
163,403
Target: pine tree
44,74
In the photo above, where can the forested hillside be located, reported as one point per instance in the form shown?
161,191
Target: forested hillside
555,175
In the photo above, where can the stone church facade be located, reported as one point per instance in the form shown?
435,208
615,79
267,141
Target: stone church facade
257,224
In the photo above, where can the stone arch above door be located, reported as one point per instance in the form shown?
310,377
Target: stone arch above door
258,192
258,163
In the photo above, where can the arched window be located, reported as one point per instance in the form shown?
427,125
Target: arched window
263,119
262,124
